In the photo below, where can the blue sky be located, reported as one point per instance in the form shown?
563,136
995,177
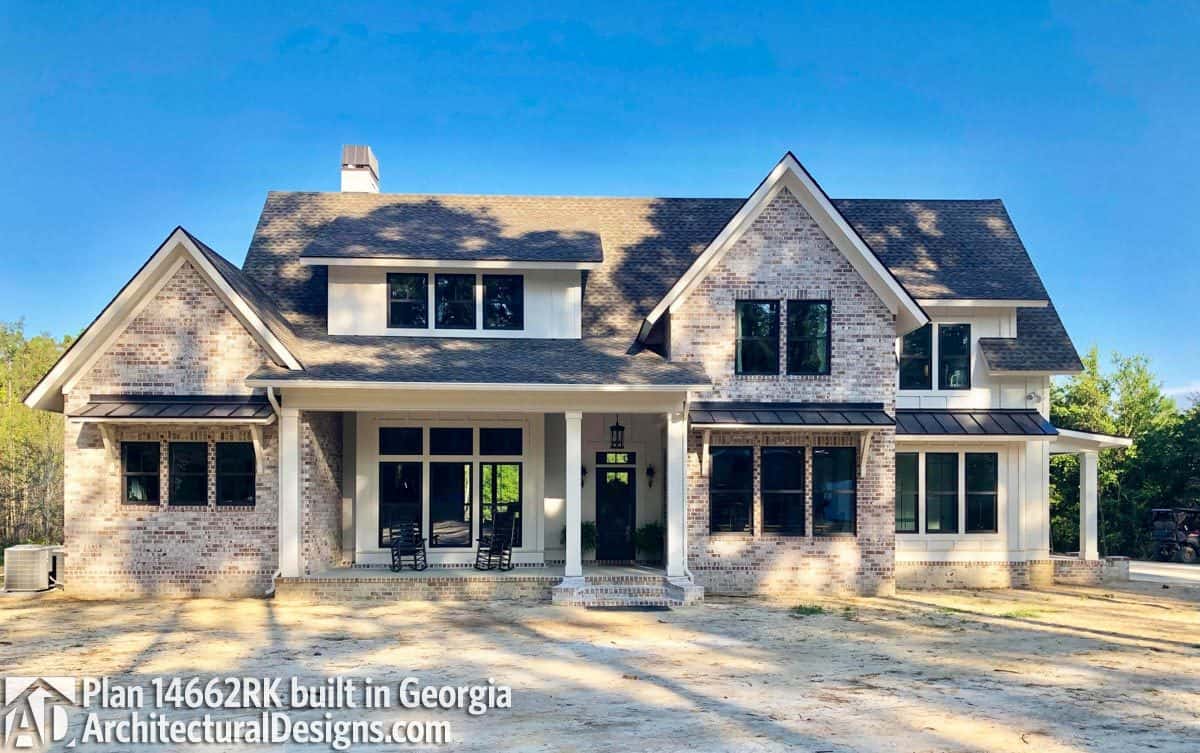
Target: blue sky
119,123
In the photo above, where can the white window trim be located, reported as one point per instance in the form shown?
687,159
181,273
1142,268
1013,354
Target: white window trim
475,459
961,534
431,327
935,372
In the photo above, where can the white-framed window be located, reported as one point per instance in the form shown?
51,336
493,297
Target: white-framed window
452,478
948,491
936,357
455,301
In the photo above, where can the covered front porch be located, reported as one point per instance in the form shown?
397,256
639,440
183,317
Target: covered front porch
594,480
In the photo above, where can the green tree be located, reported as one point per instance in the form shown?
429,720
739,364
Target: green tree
31,442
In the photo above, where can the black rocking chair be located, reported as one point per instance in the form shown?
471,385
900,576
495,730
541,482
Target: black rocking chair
494,550
407,542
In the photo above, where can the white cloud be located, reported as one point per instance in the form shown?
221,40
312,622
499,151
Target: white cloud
1183,391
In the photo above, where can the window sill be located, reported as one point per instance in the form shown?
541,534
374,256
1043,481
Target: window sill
837,535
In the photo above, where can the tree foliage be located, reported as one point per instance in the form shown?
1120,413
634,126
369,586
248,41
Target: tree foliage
1160,470
31,442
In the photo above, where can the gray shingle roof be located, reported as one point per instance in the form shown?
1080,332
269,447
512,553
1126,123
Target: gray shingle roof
937,249
1041,344
481,361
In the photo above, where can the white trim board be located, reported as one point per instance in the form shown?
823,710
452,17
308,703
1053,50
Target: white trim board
790,175
132,298
982,303
400,262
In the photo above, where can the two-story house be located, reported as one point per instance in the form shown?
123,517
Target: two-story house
803,393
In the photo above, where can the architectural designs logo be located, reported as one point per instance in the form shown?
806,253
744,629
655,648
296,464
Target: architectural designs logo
34,713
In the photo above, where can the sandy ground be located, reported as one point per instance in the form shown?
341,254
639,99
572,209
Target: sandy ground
1072,669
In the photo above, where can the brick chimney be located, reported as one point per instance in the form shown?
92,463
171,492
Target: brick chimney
360,170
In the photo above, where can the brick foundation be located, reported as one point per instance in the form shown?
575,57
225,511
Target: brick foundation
534,588
919,576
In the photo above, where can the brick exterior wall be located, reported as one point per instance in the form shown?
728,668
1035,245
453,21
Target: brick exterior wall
321,490
785,255
184,341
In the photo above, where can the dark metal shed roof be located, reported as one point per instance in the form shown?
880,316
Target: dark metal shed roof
986,422
816,415
165,408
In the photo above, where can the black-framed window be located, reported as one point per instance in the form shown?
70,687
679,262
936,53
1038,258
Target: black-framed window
757,337
139,466
616,458
834,490
450,503
235,473
941,492
907,491
454,299
499,441
188,466
916,359
500,494
503,302
399,497
808,339
982,480
730,489
408,300
781,484
451,441
954,356
400,440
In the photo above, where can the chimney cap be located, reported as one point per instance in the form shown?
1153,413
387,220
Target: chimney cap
357,156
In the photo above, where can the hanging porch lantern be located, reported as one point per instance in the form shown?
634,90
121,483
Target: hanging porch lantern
616,436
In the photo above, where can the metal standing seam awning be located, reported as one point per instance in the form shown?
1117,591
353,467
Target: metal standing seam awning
958,424
861,418
106,411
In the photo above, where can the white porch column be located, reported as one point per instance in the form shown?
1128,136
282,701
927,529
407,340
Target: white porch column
1089,545
676,494
574,495
289,492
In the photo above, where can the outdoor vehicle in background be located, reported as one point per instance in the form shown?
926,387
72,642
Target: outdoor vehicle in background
1176,533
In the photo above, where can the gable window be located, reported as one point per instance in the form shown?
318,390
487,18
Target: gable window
757,337
981,480
408,300
916,359
834,490
782,487
188,465
808,348
235,473
954,356
907,492
730,489
454,298
503,302
139,464
941,492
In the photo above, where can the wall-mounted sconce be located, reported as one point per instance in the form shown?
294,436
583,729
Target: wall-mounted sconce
583,475
1033,397
650,476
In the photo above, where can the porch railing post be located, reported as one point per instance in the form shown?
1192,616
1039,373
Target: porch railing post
574,459
676,494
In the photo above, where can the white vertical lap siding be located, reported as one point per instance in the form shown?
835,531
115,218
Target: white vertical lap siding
358,299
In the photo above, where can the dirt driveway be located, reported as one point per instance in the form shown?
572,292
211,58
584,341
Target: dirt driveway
1073,669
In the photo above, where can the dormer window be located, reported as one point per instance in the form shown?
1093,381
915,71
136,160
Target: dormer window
950,350
503,302
408,301
454,297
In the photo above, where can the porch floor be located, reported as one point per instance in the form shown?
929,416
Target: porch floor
550,572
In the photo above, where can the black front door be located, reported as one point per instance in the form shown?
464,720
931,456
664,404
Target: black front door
616,513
